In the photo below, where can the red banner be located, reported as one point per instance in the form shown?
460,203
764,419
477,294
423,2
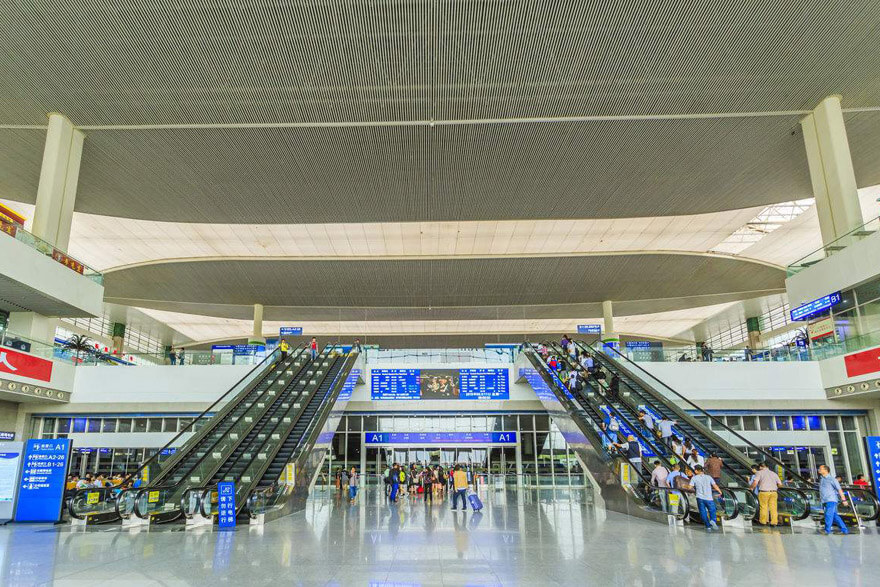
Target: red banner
862,363
11,215
67,261
8,228
24,365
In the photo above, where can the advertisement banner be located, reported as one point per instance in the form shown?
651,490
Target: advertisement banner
821,328
24,365
41,489
862,363
68,261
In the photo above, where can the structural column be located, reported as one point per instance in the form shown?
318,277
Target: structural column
257,336
609,337
831,170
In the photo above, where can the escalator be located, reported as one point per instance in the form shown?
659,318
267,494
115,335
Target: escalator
795,503
603,406
621,487
210,434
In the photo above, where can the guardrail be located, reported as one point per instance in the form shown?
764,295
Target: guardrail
835,246
44,248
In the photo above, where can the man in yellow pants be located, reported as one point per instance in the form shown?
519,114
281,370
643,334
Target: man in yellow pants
768,483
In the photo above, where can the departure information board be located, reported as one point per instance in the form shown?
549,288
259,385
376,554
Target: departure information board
470,384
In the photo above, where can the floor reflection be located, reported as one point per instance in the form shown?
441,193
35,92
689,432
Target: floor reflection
524,537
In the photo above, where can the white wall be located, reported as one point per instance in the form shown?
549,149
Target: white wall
834,373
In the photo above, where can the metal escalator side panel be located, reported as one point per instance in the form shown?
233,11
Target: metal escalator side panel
586,444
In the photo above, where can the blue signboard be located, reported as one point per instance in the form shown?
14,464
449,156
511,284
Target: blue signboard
483,384
226,504
395,384
291,331
246,350
440,437
42,480
810,308
589,329
222,347
872,443
348,386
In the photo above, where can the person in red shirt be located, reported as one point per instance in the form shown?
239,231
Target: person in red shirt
860,481
313,346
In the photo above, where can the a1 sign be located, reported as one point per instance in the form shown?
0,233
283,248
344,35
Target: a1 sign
226,504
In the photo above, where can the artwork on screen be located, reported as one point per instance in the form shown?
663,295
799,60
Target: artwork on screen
439,384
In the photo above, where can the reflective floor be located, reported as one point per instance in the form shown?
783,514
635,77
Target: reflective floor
522,537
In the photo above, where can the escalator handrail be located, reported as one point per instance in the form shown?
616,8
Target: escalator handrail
108,491
849,490
768,457
686,509
347,361
230,405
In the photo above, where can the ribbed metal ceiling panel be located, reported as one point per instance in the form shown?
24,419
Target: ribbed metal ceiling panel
189,61
440,283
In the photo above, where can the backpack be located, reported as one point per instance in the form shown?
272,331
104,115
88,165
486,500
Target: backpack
402,476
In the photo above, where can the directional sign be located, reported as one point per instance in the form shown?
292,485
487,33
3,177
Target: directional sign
291,331
872,443
589,329
42,480
226,504
810,308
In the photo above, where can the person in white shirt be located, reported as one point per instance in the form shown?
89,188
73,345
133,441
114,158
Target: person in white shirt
695,459
659,475
665,425
677,448
613,424
647,421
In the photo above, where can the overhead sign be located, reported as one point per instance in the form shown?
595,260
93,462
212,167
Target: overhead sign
872,444
589,329
440,437
821,328
439,384
7,435
862,363
41,489
291,331
246,350
10,463
222,347
226,504
806,310
24,365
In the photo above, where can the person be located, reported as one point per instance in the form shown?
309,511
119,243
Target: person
767,482
713,467
694,459
860,481
647,421
181,356
172,354
564,343
85,482
705,352
613,425
665,425
573,381
395,483
386,478
614,388
676,446
687,447
356,347
552,363
427,478
343,480
675,473
748,353
752,479
605,437
659,475
352,485
633,451
459,486
313,348
284,348
401,474
705,488
830,494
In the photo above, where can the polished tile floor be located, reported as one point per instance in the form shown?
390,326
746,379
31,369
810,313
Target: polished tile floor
522,537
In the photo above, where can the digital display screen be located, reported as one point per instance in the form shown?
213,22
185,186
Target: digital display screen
810,308
589,329
440,437
439,384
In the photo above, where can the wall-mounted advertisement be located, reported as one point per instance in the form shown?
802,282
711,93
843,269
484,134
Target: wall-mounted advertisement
439,384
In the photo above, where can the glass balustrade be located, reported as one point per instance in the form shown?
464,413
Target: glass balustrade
36,243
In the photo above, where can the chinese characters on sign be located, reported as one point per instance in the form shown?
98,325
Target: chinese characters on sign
68,262
872,443
226,504
42,480
810,308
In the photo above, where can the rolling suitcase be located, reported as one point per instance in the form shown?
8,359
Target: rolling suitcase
474,500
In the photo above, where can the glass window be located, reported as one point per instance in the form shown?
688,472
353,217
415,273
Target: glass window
782,423
798,423
94,425
750,422
124,424
370,423
542,423
837,452
765,422
155,425
354,423
463,424
49,426
815,422
853,454
849,422
108,425
169,424
79,424
63,425
704,420
139,425
831,423
733,422
526,422
184,422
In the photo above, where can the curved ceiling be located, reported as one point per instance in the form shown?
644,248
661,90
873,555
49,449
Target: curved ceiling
354,60
440,283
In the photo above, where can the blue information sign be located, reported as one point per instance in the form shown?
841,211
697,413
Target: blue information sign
440,437
226,504
589,329
483,384
43,476
246,350
291,331
810,308
872,443
395,384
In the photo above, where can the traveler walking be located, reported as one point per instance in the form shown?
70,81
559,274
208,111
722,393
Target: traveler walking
386,479
181,356
830,494
633,452
356,347
460,486
172,354
767,483
665,425
352,485
647,421
659,475
395,483
704,486
313,348
427,478
674,474
713,467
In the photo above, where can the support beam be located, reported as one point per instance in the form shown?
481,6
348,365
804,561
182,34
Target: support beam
609,337
257,336
59,176
831,170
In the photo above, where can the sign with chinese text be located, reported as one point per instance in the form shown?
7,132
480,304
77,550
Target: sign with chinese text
68,262
41,489
862,363
226,504
810,308
10,464
440,437
821,328
872,443
589,329
24,365
291,331
9,215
